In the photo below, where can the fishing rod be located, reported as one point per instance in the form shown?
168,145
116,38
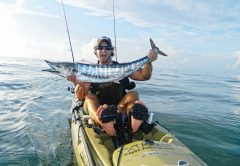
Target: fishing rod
70,43
114,29
71,89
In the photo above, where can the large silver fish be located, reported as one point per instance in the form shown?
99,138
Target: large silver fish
100,73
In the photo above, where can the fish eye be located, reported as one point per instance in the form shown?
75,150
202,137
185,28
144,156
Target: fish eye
74,70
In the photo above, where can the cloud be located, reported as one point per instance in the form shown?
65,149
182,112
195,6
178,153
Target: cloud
86,51
237,63
9,33
172,14
19,8
181,28
124,10
189,31
19,4
185,61
17,41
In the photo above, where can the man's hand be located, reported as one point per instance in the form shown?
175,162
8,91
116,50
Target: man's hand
152,56
73,78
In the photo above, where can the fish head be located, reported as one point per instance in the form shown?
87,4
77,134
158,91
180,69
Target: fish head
64,68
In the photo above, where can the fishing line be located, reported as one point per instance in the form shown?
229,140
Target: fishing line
69,39
114,29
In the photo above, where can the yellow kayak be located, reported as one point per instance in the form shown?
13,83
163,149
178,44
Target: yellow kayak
157,148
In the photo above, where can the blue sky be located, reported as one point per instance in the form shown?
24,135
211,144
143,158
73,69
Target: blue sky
197,35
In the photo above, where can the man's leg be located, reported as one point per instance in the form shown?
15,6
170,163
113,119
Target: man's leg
127,103
95,110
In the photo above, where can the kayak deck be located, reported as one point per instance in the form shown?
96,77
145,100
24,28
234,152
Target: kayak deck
159,147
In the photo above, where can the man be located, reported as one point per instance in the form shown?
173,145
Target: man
102,100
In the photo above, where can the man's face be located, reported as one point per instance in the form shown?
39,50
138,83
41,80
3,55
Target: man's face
103,53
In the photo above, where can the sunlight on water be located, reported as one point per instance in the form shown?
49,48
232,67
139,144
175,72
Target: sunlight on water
31,114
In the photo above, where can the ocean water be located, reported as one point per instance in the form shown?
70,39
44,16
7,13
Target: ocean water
202,110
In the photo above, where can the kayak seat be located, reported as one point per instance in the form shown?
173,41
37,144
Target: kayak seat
109,114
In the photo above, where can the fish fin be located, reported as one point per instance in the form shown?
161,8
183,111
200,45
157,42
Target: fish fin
156,49
51,70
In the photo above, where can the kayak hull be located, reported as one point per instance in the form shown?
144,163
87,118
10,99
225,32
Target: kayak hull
159,147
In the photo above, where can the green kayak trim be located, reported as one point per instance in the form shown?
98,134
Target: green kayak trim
157,148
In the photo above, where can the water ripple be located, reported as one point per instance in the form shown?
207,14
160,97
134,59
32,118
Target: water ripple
14,86
202,110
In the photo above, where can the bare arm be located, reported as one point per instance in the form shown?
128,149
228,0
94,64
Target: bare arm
81,89
146,72
143,74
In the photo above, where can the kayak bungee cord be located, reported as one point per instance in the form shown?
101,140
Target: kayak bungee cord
81,131
69,39
120,155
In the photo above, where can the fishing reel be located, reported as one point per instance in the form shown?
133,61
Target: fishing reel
72,88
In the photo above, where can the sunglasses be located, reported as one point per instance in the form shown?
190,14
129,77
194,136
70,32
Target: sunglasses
104,47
